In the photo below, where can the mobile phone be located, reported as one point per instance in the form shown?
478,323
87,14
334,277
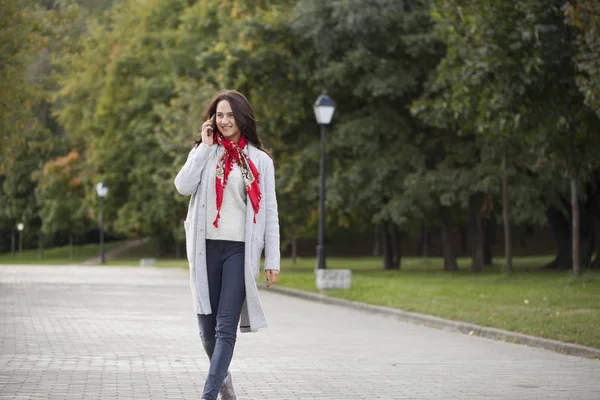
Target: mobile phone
213,124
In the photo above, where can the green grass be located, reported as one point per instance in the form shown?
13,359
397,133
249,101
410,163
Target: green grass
56,255
550,304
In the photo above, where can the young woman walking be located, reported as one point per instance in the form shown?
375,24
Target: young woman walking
232,216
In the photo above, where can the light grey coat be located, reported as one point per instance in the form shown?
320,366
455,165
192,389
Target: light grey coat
196,178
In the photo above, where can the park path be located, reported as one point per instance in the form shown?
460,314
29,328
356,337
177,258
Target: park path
86,332
117,251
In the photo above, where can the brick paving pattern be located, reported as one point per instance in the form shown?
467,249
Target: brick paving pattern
129,333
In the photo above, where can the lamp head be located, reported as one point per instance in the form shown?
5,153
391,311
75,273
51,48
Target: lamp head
324,108
102,189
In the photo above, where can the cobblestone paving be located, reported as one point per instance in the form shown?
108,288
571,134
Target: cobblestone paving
129,333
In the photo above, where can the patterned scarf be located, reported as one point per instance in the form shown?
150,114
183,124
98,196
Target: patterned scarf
234,152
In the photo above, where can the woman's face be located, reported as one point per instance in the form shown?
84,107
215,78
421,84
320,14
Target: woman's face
226,122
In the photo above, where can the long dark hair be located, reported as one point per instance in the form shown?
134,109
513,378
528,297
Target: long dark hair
242,112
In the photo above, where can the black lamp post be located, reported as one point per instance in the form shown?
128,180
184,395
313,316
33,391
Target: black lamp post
324,109
20,227
102,190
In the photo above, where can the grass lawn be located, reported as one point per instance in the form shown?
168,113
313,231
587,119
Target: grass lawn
57,255
548,304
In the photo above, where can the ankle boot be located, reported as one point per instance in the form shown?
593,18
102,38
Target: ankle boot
227,392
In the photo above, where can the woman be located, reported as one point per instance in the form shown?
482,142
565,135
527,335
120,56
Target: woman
232,216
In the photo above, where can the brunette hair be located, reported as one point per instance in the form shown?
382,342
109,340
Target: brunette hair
242,112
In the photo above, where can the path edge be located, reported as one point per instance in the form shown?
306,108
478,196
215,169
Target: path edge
446,324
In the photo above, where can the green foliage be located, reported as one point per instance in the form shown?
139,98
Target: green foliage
109,102
248,47
372,60
60,193
29,33
508,74
19,38
584,15
26,141
430,96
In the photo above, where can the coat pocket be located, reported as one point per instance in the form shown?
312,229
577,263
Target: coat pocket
256,248
188,240
256,256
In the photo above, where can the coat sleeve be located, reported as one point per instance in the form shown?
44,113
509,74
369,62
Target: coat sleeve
188,178
272,251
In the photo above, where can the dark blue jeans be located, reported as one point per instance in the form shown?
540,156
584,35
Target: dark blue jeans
218,331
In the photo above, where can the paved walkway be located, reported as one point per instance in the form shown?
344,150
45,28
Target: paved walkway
128,333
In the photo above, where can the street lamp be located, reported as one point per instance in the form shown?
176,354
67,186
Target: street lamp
324,108
102,190
20,227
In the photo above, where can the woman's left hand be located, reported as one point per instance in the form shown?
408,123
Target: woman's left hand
272,275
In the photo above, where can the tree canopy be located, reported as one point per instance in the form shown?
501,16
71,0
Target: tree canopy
431,97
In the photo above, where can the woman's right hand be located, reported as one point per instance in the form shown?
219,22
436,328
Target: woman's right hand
207,133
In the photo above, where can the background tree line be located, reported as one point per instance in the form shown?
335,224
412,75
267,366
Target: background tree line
450,113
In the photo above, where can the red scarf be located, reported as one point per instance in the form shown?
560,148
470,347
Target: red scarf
234,152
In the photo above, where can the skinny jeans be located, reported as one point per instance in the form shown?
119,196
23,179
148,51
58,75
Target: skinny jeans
227,290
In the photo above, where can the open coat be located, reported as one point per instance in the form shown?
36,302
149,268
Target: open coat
196,178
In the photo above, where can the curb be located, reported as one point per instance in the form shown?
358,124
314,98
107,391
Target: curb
446,324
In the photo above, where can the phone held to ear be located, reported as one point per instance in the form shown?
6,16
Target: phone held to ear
213,124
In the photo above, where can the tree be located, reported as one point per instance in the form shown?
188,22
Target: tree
25,139
508,73
60,192
584,16
112,87
251,49
372,61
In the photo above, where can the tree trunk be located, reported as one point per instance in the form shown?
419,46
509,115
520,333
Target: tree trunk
464,245
377,242
12,242
425,237
294,250
388,258
595,263
476,231
506,218
391,259
178,249
70,246
588,239
489,238
559,224
397,246
575,230
446,233
41,245
162,245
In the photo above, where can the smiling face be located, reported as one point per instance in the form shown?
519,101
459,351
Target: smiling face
226,122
